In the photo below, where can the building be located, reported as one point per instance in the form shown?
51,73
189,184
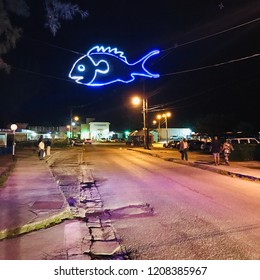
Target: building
95,130
89,130
3,139
173,133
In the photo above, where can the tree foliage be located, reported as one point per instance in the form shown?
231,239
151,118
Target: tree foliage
55,11
216,124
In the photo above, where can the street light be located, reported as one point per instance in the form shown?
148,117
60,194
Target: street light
166,116
13,128
72,124
159,125
137,101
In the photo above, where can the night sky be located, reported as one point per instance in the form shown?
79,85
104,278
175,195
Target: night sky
189,34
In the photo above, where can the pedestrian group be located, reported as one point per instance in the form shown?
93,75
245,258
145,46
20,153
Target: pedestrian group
41,148
216,149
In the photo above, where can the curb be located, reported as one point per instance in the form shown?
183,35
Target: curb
208,168
219,171
55,219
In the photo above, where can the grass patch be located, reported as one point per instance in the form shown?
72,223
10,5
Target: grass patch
4,176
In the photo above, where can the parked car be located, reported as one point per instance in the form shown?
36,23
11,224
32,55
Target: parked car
206,147
76,142
171,144
195,145
235,141
88,141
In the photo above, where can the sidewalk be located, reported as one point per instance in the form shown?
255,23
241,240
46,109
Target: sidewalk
249,170
30,198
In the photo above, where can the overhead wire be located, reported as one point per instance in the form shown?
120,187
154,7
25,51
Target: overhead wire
41,74
213,65
213,35
54,46
164,50
170,49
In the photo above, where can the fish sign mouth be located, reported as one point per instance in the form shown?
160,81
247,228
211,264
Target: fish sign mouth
77,78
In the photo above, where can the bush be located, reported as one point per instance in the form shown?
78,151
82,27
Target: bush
245,152
5,150
59,143
26,144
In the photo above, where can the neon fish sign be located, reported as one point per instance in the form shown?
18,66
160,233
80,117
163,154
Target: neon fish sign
103,66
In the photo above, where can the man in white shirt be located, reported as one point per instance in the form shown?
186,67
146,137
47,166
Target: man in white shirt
41,147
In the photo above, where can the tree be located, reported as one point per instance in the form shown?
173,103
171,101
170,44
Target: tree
55,11
216,124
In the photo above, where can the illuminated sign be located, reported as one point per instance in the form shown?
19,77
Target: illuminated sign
102,66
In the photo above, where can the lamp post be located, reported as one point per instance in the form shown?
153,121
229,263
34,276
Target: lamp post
166,116
137,101
13,128
146,130
72,124
159,126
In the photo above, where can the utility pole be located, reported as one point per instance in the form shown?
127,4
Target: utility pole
13,128
71,122
145,117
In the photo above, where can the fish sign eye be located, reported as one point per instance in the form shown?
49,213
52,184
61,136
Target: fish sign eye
81,68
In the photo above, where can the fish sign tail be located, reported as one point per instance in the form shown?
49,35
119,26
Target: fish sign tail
142,62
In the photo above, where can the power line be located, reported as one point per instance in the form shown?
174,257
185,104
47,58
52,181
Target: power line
168,105
212,35
165,50
40,74
54,46
213,65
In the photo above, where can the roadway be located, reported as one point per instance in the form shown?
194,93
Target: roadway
159,209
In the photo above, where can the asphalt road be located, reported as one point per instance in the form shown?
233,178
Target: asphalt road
164,210
159,209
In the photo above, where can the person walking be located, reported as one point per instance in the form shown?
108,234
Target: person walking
48,147
227,149
41,147
215,149
184,149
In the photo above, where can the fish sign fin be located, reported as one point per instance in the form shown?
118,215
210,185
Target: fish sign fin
144,71
108,51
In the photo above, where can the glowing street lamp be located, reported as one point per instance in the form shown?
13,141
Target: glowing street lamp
137,101
166,116
72,123
159,117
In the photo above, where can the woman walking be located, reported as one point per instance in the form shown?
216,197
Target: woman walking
227,149
184,149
